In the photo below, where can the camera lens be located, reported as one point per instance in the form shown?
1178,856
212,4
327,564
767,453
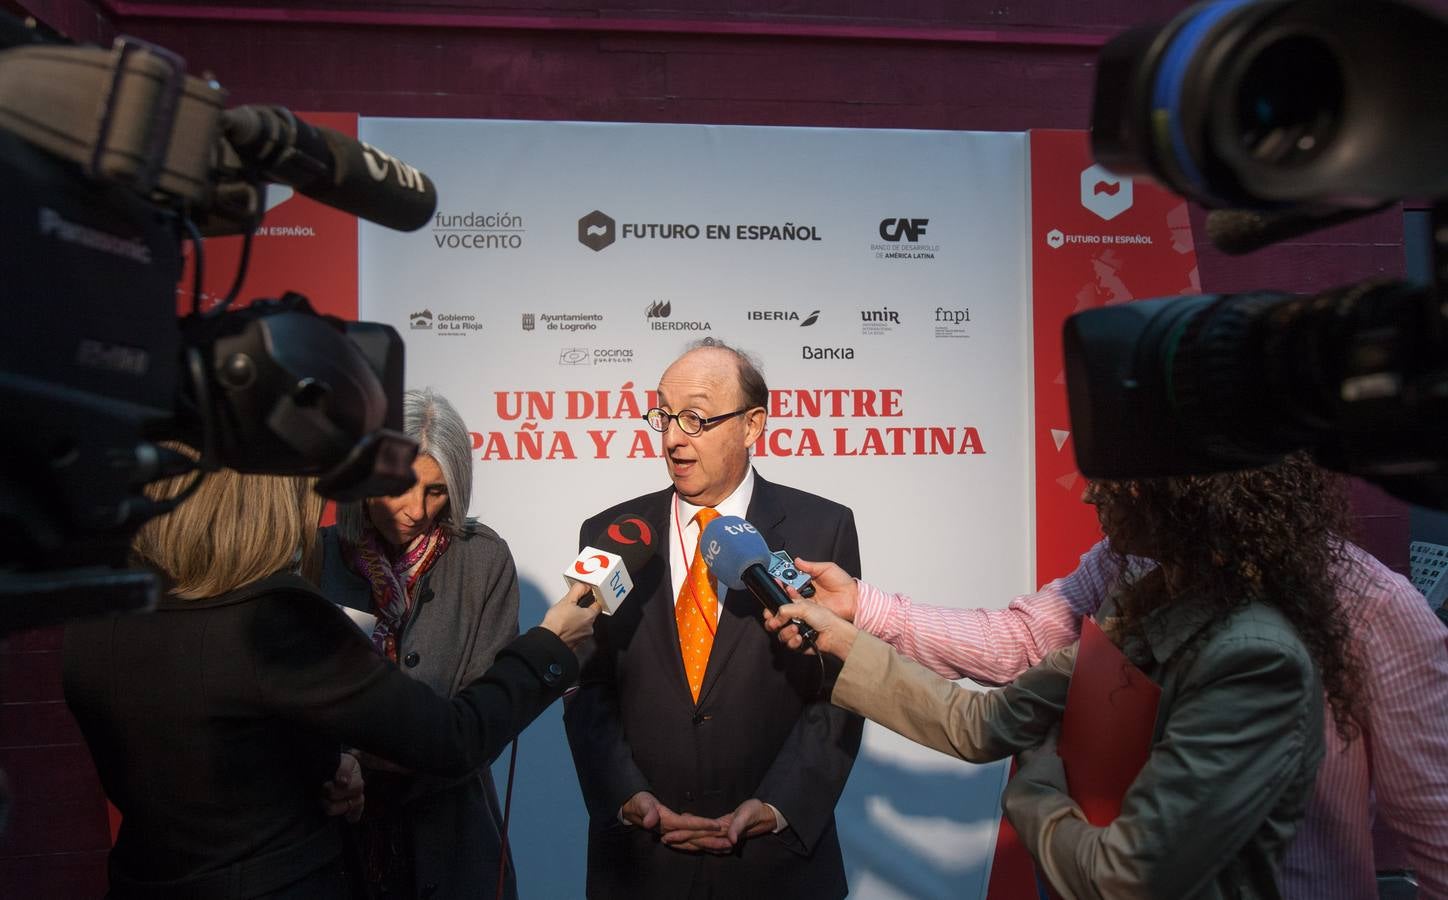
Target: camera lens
1290,100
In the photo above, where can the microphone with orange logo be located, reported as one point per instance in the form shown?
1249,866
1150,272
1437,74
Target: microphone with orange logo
606,564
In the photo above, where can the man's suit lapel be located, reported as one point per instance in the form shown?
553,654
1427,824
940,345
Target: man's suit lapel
740,610
660,619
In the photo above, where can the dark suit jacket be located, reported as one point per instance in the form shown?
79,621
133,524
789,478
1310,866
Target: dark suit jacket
763,726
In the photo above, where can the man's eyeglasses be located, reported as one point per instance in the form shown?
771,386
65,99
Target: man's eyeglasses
690,422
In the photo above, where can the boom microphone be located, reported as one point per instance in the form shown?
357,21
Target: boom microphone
606,563
330,167
736,554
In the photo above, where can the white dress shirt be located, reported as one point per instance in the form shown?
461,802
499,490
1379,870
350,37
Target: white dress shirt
684,531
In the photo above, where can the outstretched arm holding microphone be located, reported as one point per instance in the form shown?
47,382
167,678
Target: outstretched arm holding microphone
909,700
1243,653
212,720
991,646
1403,746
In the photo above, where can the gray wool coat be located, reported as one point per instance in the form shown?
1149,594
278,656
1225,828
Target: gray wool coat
465,612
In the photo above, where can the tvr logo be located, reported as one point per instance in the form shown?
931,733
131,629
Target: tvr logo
1105,194
897,230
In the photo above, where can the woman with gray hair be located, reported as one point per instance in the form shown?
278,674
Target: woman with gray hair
444,591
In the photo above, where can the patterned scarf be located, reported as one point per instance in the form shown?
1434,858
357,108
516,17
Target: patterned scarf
394,582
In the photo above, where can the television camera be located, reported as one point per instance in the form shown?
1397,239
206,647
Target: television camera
113,159
1282,116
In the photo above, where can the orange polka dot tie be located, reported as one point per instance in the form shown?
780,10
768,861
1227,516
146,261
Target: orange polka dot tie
696,611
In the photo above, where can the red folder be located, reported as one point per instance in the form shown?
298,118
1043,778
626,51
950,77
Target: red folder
1107,727
1105,731
1105,739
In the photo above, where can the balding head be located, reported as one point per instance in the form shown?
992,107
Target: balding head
712,380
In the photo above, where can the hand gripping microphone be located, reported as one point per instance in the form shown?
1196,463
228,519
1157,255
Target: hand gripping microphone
331,167
606,563
736,554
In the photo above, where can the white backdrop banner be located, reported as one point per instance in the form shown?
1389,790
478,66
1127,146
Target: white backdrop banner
882,278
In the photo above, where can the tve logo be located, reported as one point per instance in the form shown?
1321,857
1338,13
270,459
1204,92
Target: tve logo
1105,194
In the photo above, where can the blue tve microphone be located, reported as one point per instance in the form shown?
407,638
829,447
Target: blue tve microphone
737,555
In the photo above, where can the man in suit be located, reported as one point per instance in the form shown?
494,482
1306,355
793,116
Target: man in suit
710,758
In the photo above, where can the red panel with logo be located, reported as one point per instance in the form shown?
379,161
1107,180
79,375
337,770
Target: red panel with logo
1096,239
301,246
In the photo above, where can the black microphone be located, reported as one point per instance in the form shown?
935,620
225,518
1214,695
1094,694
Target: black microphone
736,554
1239,231
330,167
607,563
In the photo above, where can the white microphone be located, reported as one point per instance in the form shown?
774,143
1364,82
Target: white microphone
605,573
627,544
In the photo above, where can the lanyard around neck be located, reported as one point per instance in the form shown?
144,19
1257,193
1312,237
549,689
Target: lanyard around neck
713,626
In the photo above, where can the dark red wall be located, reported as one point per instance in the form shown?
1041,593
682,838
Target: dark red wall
845,63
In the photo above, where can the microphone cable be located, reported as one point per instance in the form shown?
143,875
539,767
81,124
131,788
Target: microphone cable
507,811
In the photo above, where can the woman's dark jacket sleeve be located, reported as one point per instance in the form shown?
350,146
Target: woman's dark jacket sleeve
311,665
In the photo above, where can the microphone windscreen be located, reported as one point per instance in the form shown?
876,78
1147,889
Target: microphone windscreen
631,537
374,186
731,545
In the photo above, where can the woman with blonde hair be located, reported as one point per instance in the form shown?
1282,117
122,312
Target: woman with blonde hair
213,719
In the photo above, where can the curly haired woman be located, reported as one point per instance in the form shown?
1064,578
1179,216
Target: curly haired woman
1238,625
